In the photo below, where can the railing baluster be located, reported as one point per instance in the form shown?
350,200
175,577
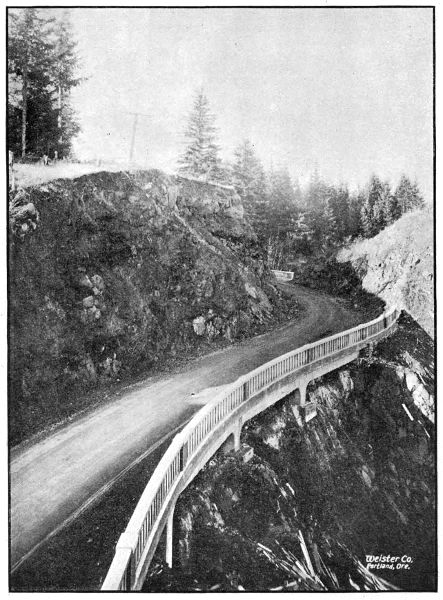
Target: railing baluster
221,408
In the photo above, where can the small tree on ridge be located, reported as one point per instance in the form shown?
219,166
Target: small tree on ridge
200,158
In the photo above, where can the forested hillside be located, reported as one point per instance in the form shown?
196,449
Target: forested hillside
292,222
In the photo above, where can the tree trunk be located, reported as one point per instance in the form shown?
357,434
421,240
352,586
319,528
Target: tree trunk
24,108
59,120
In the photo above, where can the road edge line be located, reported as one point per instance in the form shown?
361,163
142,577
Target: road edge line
96,496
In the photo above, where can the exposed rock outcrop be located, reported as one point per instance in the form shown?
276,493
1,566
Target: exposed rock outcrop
398,265
112,273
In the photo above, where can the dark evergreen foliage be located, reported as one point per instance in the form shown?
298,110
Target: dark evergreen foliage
292,223
42,65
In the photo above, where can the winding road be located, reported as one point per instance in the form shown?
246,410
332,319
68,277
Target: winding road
52,480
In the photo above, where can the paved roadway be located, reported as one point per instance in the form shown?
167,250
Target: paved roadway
52,479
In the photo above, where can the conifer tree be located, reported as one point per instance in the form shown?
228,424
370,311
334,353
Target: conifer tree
366,219
372,209
29,62
340,205
356,202
408,195
41,71
316,194
389,206
302,234
201,156
64,75
248,176
282,202
329,224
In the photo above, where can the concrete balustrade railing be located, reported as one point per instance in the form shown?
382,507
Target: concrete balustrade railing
283,275
208,429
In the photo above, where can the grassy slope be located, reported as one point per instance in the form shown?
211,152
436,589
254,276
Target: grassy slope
27,175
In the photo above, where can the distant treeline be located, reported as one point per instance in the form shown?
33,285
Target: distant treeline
288,219
42,65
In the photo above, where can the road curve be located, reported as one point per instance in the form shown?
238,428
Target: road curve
51,479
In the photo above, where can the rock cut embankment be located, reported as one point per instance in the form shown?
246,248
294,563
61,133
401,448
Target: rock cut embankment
114,273
398,265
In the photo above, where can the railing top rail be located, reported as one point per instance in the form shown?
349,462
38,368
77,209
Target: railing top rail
182,437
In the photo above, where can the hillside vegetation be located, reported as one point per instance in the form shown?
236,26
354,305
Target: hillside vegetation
115,273
398,265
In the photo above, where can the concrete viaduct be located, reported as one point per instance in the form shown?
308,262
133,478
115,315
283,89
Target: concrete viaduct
219,423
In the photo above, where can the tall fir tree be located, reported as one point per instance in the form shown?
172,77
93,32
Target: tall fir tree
329,225
408,196
30,56
316,194
302,235
65,78
248,176
247,171
372,210
282,202
41,67
356,202
201,156
390,206
339,202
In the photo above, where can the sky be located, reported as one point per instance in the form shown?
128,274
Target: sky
346,91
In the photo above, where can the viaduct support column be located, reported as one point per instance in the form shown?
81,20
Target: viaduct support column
237,434
232,442
169,536
302,388
298,402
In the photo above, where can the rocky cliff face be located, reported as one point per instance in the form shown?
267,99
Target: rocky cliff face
112,273
316,502
398,265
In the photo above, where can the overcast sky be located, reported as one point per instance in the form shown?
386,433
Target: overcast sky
348,90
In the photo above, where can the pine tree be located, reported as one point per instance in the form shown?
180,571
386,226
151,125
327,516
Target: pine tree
29,61
41,72
200,158
372,215
301,234
340,205
329,225
64,76
316,194
356,202
282,202
366,219
247,171
389,206
248,176
408,195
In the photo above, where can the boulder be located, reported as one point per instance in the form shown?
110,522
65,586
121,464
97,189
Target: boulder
199,325
84,281
251,291
88,302
98,282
